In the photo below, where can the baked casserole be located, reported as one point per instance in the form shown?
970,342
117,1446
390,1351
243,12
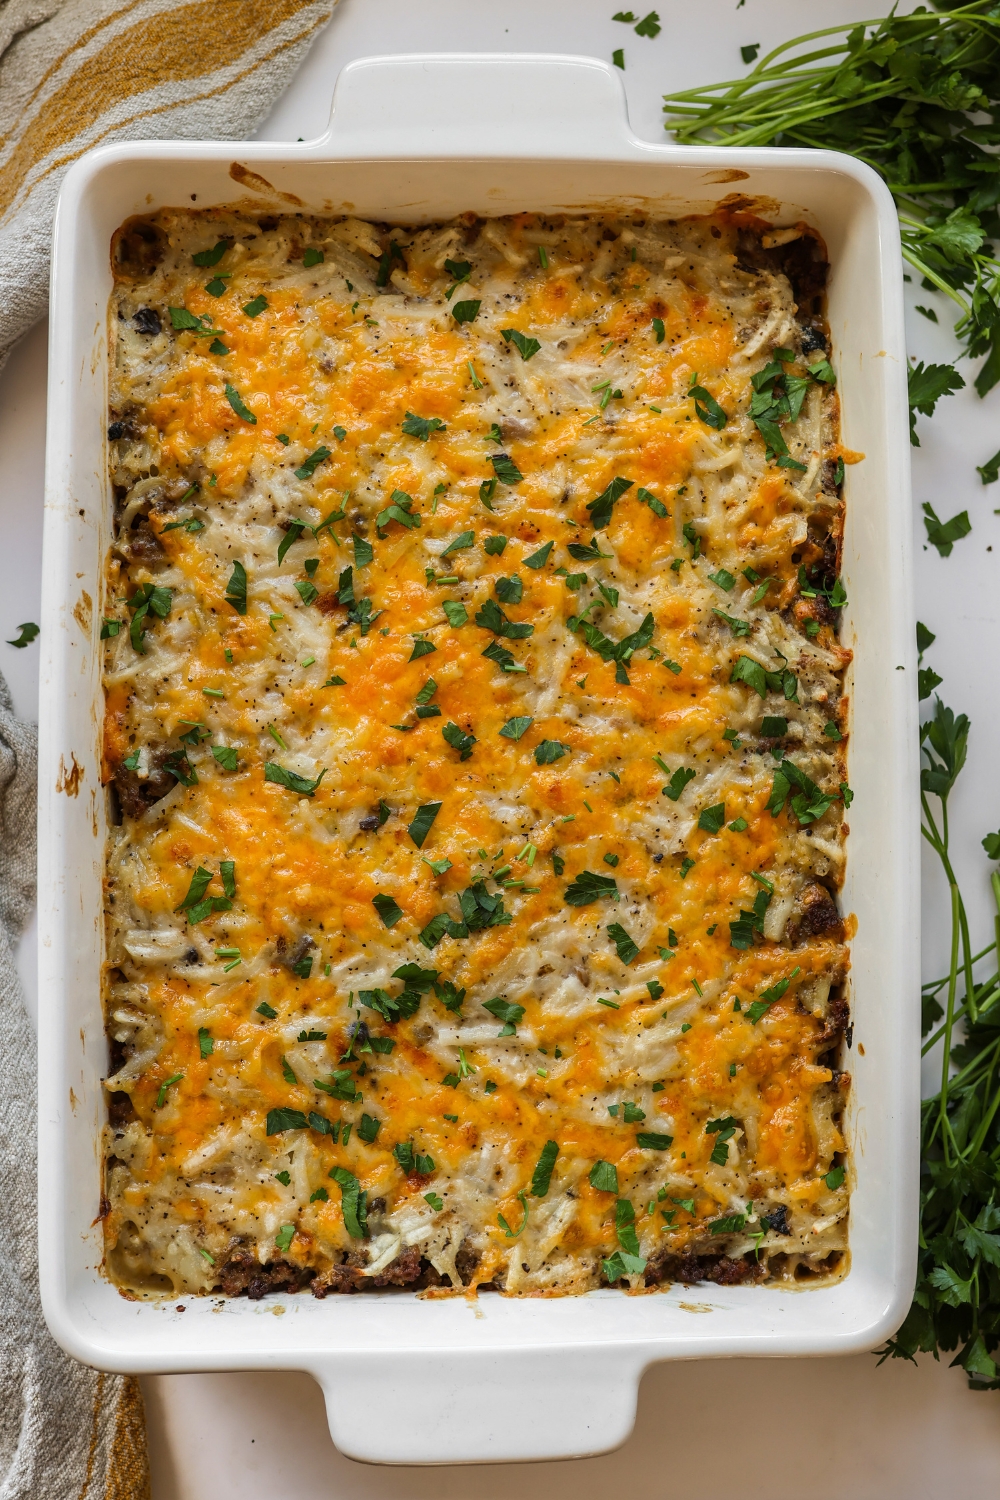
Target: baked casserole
475,732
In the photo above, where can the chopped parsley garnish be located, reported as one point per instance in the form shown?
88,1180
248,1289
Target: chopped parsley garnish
542,1175
291,779
354,1201
197,905
494,545
459,270
309,465
492,617
808,803
422,427
650,1141
989,472
280,1120
548,751
627,949
313,257
737,626
213,256
438,927
455,612
506,469
646,497
239,406
604,1177
524,345
385,263
588,887
509,590
284,1237
723,1129
730,1224
540,558
466,312
767,998
511,1015
458,739
687,865
659,330
387,909
944,534
421,648
503,658
190,524
264,1009
236,589
422,821
678,779
399,509
291,536
513,1234
182,320
708,409
514,728
461,543
27,633
147,599
368,1129
256,306
760,679
773,726
835,1178
586,553
925,387
724,579
363,551
750,923
711,819
601,508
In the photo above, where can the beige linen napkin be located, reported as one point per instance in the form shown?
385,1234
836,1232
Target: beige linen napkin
76,74
64,1430
80,73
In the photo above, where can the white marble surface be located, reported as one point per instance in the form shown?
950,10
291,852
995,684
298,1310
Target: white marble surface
846,1427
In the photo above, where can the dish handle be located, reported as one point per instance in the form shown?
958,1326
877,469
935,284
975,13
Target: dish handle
480,1406
472,105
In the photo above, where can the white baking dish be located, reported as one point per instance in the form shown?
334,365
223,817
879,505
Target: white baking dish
436,1380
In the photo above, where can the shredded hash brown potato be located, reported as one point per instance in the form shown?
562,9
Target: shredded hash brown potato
475,734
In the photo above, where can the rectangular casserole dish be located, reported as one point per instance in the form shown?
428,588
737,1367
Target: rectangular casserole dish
415,140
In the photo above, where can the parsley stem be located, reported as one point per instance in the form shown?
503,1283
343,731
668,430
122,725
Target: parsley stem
933,985
947,1135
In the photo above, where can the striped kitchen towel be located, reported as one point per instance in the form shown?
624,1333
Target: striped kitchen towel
79,73
75,74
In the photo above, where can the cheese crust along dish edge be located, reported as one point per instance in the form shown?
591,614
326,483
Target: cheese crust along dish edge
475,739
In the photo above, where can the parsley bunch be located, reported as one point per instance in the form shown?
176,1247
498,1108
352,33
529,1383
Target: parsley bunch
956,1304
915,97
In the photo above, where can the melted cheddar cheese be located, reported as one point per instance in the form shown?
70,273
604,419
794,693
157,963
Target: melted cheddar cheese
475,718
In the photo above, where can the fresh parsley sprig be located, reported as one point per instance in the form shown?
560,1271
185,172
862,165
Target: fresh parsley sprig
915,96
956,1303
